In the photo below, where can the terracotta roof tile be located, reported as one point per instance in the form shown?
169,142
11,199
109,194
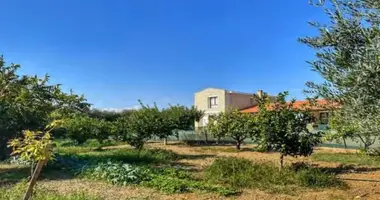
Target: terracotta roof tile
321,104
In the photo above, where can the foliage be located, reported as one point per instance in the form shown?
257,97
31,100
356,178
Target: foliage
234,124
34,146
118,173
182,117
143,156
121,128
30,103
81,128
341,128
242,173
284,129
347,52
109,116
145,123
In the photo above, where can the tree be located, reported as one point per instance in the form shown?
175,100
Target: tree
348,58
81,128
34,146
340,129
110,116
145,123
30,103
182,118
283,128
239,126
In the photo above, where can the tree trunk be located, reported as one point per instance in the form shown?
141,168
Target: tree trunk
165,141
206,137
33,180
344,141
281,161
238,144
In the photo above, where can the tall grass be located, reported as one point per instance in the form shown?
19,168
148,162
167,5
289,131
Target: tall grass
242,173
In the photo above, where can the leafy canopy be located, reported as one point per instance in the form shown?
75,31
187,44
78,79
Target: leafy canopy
348,58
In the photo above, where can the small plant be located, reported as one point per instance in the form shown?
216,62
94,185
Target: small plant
35,146
118,173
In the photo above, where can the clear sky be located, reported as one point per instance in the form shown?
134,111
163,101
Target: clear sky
118,51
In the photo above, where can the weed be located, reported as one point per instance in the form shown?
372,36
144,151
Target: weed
313,177
242,173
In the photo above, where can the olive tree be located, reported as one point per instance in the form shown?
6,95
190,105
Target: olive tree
283,128
234,124
347,58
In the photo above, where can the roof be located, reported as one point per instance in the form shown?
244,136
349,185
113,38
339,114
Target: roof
321,104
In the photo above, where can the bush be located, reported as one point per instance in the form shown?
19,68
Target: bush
242,173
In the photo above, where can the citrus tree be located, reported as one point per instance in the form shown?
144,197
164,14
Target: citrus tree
234,124
146,123
283,129
181,118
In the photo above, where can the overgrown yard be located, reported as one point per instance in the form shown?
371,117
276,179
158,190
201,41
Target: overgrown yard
178,171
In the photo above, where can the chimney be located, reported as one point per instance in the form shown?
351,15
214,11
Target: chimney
260,93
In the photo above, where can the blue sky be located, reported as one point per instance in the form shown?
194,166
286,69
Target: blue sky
118,51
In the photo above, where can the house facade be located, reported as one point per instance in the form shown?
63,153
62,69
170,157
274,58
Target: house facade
214,101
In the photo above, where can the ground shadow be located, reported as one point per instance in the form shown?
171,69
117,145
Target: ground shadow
196,156
342,169
13,175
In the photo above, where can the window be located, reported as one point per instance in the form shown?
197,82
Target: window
213,102
324,117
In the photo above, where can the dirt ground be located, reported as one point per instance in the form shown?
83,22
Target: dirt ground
197,158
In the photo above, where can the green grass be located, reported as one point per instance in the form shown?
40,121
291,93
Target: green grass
126,155
242,173
347,158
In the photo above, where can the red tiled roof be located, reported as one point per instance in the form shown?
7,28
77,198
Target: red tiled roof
321,104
